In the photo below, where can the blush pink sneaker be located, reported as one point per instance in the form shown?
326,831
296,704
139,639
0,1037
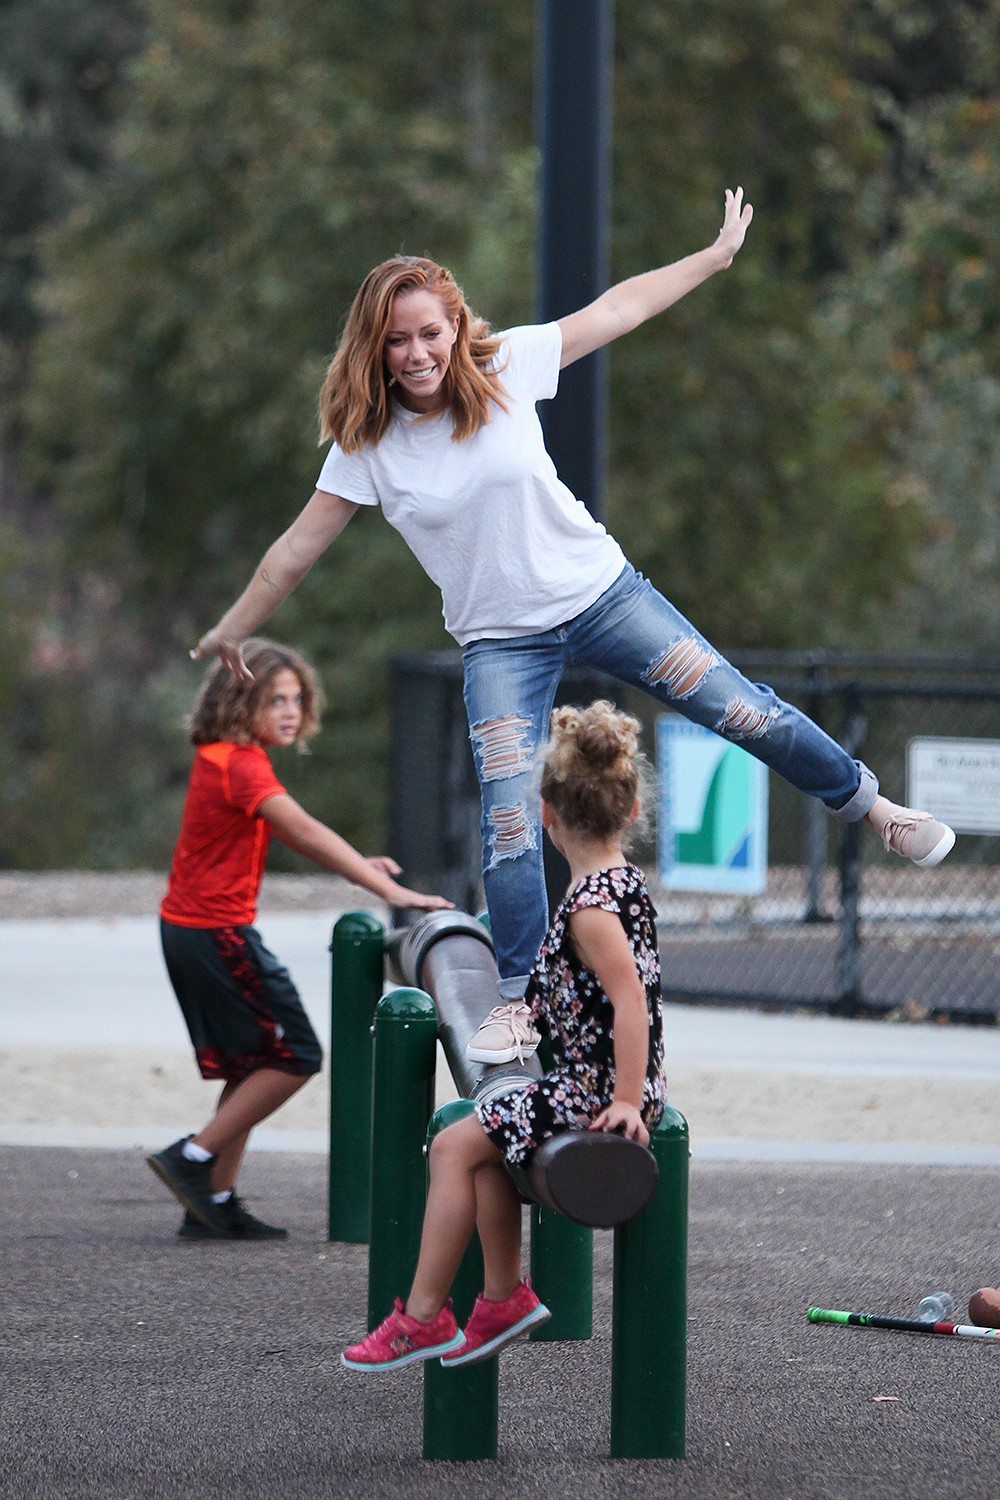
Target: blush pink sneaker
493,1324
401,1340
506,1033
914,835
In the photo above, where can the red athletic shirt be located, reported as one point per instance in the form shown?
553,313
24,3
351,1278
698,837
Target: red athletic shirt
219,859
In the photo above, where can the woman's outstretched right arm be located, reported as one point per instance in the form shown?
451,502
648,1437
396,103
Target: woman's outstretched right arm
283,566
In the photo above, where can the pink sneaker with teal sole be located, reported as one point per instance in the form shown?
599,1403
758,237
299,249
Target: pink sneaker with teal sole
493,1324
401,1340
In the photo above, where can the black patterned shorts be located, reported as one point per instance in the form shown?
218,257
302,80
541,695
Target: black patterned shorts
242,1010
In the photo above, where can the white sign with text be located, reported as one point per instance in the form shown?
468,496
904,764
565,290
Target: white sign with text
956,780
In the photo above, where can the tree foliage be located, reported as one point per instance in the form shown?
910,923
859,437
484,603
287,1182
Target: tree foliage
268,154
801,450
59,61
740,480
919,314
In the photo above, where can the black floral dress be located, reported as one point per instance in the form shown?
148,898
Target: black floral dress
570,1009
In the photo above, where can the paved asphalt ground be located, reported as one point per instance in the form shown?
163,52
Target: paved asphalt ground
135,1366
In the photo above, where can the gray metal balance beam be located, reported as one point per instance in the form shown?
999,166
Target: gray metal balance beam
450,955
592,1177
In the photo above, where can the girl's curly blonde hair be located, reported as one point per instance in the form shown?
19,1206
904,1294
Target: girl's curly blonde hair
227,708
593,769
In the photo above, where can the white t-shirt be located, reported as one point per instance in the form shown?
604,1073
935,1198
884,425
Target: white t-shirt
511,549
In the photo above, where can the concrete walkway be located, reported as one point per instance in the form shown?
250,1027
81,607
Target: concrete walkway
102,983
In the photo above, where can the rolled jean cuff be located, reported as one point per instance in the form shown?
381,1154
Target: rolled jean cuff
513,988
855,808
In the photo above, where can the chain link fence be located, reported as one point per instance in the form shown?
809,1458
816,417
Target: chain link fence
842,926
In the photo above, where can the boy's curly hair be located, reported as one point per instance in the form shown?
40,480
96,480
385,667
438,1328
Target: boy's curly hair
593,769
227,708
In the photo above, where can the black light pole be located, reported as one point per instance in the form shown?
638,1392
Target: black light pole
574,96
574,109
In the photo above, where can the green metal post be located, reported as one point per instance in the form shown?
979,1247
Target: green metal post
562,1274
649,1317
562,1263
358,956
461,1407
402,1101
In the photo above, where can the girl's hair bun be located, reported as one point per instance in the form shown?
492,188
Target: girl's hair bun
593,767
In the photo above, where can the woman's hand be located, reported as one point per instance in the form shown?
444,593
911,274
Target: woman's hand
227,648
387,865
623,1118
734,226
623,307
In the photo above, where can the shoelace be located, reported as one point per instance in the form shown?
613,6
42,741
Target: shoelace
390,1324
517,1016
901,826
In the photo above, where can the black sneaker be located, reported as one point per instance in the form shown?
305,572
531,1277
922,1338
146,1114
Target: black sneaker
191,1183
240,1224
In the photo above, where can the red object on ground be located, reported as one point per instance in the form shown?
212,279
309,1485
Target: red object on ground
984,1307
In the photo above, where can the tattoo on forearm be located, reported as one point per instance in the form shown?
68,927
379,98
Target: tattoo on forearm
266,578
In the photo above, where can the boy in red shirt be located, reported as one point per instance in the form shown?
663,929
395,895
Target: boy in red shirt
243,1012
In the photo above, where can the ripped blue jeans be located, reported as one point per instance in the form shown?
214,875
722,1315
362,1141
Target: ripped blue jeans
636,635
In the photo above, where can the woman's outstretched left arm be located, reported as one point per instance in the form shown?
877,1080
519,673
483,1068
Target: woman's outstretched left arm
623,307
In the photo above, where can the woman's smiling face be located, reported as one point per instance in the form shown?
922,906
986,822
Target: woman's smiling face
417,349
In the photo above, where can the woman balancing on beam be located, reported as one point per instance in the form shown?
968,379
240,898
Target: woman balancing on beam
434,419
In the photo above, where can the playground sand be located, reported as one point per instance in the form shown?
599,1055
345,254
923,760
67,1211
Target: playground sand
72,1086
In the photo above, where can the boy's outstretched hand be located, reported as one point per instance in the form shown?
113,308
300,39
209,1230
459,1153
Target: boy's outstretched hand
413,899
308,836
418,901
623,1118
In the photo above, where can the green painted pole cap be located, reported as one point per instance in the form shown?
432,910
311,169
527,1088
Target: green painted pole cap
406,1005
673,1123
358,924
449,1114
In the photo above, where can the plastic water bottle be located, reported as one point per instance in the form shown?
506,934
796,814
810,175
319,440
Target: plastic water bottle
940,1307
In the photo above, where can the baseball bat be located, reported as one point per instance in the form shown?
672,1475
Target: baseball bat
906,1325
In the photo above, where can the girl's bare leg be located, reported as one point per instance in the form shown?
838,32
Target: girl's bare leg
457,1156
498,1219
241,1107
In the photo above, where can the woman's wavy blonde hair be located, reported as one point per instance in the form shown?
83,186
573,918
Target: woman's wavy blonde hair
354,404
593,769
227,708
